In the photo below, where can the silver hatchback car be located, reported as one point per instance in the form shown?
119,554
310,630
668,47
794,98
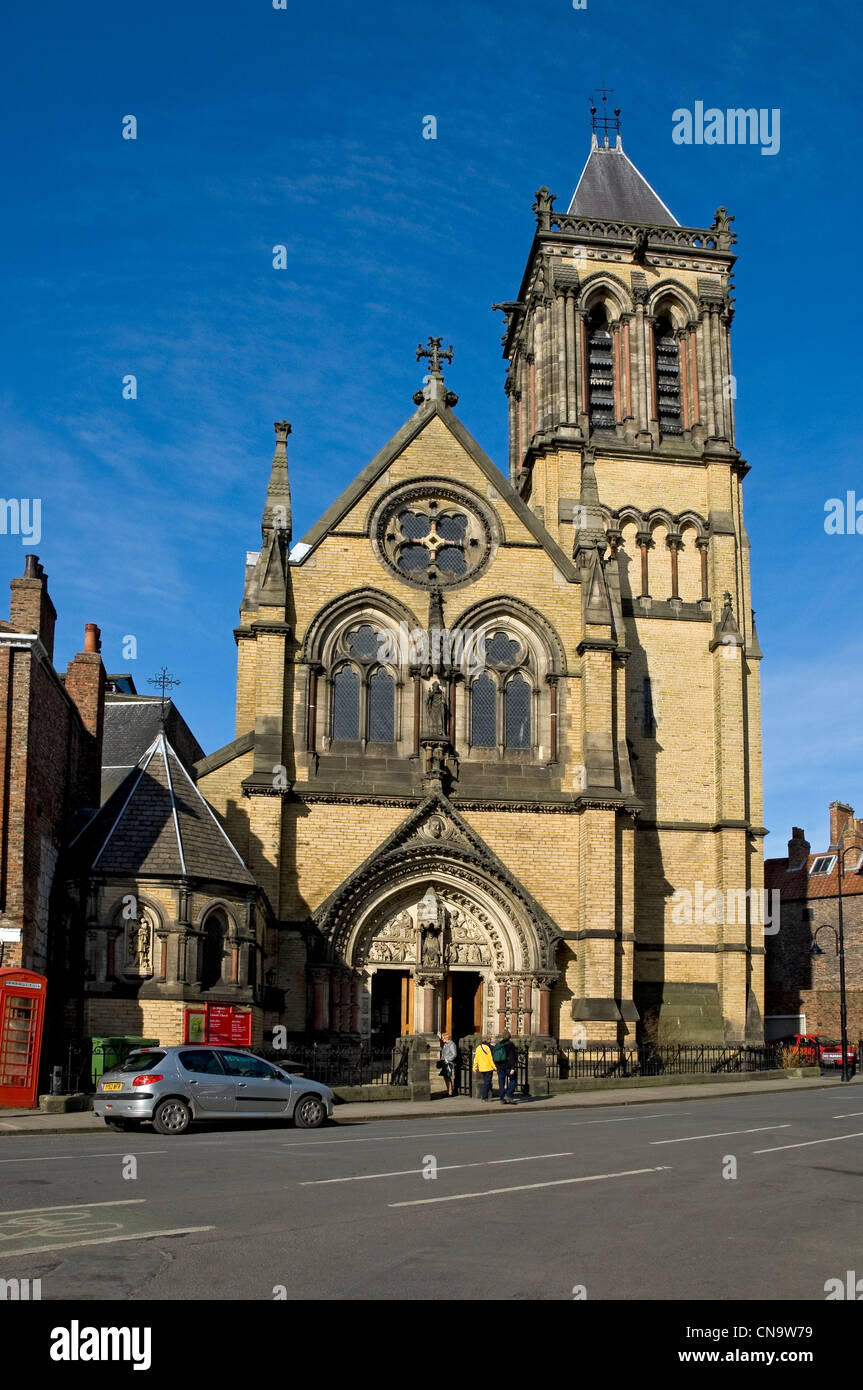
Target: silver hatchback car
172,1086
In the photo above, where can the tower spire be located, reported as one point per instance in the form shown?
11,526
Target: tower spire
277,508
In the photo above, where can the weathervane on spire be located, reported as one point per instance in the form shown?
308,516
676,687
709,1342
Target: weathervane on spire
164,681
604,124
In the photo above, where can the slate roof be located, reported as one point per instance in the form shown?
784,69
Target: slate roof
156,823
611,188
131,724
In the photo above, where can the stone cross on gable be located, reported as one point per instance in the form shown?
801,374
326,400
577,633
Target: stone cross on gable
435,354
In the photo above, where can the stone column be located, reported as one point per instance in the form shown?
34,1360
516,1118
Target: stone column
718,368
644,435
571,359
560,357
644,542
702,545
675,545
705,358
582,371
321,1007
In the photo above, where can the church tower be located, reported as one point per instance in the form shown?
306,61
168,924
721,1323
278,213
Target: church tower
622,441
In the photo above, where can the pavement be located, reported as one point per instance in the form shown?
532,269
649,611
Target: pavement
742,1192
35,1122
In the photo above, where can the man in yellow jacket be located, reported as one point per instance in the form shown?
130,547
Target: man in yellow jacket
483,1065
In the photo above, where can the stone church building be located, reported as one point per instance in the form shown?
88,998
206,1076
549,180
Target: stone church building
491,722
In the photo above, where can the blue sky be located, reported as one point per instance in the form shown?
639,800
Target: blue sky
303,127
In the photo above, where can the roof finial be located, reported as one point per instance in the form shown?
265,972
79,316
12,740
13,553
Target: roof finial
164,681
434,389
277,508
602,125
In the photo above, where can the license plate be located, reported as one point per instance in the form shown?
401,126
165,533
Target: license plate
112,1086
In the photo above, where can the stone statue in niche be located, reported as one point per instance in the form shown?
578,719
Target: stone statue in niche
138,946
437,711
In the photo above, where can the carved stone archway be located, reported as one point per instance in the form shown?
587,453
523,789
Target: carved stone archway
434,915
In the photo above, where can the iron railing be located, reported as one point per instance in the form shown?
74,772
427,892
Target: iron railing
343,1064
565,1062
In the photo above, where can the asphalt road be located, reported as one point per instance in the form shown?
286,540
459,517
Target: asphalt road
630,1202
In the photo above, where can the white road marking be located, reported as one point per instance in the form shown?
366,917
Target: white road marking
849,1115
106,1240
623,1119
807,1143
59,1158
720,1134
530,1186
386,1138
442,1168
77,1206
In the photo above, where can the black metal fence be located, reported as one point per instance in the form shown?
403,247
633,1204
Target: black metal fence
347,1064
563,1063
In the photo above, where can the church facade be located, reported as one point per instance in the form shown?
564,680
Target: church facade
492,726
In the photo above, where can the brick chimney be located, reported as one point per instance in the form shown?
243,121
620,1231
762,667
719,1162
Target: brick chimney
839,817
31,610
798,848
85,684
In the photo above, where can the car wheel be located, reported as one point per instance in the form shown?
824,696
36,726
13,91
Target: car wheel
172,1116
309,1112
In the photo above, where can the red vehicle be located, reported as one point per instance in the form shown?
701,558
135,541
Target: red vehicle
818,1051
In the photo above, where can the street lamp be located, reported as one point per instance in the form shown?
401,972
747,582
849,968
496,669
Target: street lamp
815,950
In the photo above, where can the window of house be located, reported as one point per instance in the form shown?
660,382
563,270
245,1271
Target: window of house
824,864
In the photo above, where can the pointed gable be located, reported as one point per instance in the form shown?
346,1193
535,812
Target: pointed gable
431,414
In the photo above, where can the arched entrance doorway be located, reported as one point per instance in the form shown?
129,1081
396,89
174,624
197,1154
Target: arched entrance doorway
433,933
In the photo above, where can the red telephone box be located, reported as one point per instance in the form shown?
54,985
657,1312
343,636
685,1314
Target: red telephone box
22,1018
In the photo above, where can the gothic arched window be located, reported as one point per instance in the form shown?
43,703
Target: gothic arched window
600,369
483,723
213,950
364,689
501,697
516,712
666,359
346,705
382,689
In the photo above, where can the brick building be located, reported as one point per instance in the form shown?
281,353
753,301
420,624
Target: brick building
802,990
50,765
490,723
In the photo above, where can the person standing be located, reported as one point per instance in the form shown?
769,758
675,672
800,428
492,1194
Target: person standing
449,1053
483,1065
505,1059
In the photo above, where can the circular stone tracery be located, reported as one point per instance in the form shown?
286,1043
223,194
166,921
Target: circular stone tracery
434,534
